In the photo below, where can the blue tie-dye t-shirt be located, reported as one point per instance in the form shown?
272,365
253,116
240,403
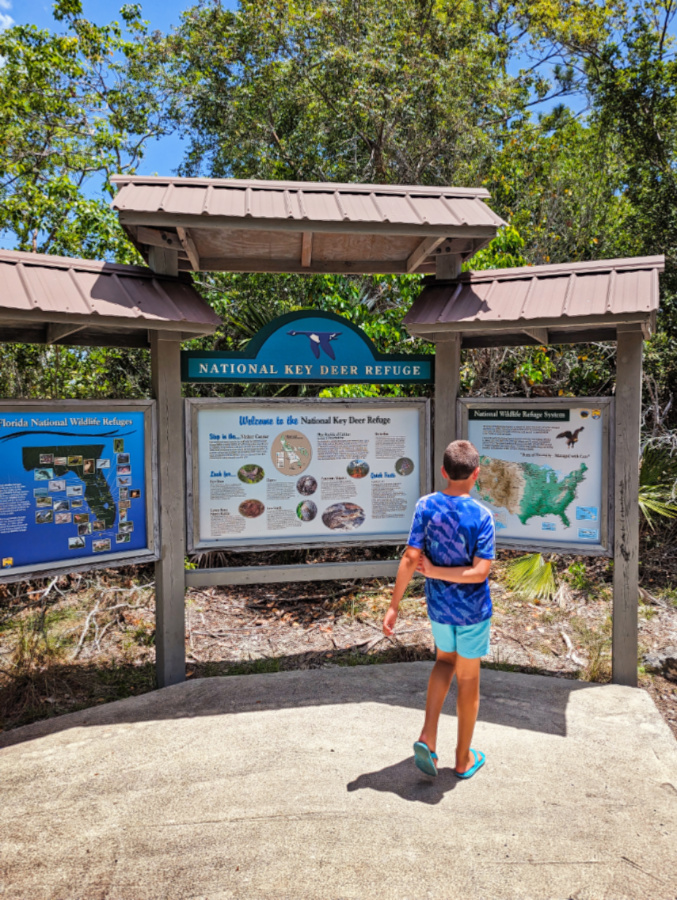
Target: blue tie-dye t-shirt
451,531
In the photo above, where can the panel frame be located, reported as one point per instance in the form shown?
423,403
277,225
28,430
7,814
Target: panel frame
194,405
605,546
86,564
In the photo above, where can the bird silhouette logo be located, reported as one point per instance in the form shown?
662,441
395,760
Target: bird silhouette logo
320,340
571,438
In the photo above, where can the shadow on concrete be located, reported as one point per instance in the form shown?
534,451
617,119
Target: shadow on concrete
404,780
515,700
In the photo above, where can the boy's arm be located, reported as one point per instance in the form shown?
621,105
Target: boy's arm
474,574
407,567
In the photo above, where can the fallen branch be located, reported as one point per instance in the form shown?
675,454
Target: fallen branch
91,617
571,654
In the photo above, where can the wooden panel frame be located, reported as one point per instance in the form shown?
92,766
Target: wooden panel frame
605,547
339,571
193,406
113,560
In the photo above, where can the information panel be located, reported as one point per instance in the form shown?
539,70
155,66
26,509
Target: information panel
544,470
302,473
75,485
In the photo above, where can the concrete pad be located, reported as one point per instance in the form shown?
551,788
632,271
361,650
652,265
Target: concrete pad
301,785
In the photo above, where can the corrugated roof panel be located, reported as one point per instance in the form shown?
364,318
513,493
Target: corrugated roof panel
397,208
49,287
360,208
223,202
320,206
12,292
53,290
547,294
108,294
267,205
590,295
515,297
433,211
194,308
479,212
148,197
469,305
631,287
183,200
426,307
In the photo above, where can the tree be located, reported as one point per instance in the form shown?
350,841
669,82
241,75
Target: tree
384,91
74,109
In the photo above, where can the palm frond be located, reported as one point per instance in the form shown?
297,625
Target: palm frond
532,576
658,484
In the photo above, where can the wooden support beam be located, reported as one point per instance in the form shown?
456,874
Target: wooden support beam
538,334
447,380
169,569
423,251
624,647
448,266
285,266
163,261
383,568
157,237
57,332
188,245
307,249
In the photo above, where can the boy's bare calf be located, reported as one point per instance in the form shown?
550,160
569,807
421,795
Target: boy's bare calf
467,673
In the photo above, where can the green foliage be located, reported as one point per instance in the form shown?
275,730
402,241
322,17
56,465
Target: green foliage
658,483
74,108
532,576
577,576
399,92
504,252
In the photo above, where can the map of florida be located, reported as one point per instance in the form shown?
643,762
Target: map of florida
97,490
526,489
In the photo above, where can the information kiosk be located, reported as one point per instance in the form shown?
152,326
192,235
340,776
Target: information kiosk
182,225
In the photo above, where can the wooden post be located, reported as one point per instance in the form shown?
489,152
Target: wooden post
170,568
447,379
163,260
626,516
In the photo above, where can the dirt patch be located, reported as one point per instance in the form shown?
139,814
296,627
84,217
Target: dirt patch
90,640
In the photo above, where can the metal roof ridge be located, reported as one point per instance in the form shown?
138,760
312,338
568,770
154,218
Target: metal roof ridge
563,269
319,186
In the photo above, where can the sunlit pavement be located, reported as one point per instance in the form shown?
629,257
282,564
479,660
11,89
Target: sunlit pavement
302,785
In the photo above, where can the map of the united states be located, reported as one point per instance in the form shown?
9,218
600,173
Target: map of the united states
526,489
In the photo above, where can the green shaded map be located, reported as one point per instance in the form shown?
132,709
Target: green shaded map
526,489
97,490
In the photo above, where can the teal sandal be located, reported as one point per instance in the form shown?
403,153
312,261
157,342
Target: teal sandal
425,758
479,762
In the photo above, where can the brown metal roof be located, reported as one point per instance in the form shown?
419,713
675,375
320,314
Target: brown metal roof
278,226
98,300
571,301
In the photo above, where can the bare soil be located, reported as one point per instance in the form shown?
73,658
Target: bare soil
75,642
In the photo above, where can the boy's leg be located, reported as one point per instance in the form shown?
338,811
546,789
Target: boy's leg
438,688
467,706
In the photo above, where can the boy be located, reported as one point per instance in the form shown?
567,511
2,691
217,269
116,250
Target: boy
452,543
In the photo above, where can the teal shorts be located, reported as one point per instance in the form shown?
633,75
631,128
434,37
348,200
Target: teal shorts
469,641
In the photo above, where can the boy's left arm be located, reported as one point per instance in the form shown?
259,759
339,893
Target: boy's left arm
474,574
485,552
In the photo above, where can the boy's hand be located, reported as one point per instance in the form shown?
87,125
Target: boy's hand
425,567
389,621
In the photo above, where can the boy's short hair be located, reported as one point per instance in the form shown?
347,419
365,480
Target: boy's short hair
460,460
